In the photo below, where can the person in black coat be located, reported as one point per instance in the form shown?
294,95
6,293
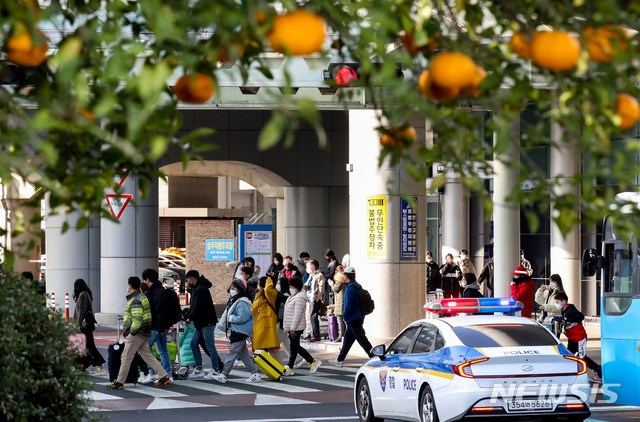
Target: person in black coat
451,276
433,277
159,325
203,315
470,285
277,266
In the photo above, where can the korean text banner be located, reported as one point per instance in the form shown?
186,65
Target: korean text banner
377,227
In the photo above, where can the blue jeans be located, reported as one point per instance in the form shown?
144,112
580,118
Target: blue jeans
161,347
209,339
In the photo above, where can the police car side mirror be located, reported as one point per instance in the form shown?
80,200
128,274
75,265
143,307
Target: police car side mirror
379,351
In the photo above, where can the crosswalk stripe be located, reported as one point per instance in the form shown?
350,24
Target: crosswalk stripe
268,400
274,385
150,391
96,396
321,380
159,404
212,388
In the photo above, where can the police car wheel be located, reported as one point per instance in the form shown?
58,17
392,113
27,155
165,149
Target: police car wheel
363,398
428,412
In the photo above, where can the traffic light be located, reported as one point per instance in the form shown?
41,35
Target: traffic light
350,74
10,73
343,74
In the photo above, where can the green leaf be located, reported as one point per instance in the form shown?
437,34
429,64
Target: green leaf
272,131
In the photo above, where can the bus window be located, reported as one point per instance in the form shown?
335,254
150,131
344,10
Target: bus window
618,280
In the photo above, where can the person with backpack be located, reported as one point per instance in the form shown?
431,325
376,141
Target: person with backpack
203,315
357,304
159,304
265,319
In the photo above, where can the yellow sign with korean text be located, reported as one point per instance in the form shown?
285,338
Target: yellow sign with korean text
377,227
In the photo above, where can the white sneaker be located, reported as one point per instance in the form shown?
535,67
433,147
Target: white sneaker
314,366
335,362
99,372
287,371
211,374
198,374
220,378
255,378
299,363
149,379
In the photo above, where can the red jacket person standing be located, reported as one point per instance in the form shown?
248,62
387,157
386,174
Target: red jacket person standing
522,288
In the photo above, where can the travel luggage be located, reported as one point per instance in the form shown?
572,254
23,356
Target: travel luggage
268,365
114,359
173,351
333,327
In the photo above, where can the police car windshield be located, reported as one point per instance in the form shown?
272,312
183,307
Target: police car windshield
504,335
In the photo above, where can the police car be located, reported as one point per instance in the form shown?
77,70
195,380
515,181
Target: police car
473,367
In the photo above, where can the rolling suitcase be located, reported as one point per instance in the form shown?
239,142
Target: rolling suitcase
333,327
114,359
268,365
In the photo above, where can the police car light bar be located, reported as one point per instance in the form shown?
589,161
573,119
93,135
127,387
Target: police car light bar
473,305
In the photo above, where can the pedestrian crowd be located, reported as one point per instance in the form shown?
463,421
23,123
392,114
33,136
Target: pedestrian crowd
265,316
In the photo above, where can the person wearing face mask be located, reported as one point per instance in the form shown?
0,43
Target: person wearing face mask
282,286
294,324
575,332
328,273
246,262
276,266
433,277
265,319
546,295
316,286
522,288
301,262
250,280
203,315
289,271
237,323
339,286
465,264
470,286
451,276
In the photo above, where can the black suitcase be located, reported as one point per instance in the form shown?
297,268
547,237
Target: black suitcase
114,359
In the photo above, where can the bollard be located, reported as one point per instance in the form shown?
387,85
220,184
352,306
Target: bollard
53,302
186,298
66,306
176,288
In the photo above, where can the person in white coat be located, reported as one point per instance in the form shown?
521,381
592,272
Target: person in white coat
294,322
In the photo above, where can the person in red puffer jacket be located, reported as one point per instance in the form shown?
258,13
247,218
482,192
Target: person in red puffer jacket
522,288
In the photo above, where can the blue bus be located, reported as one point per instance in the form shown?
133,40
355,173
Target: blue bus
619,308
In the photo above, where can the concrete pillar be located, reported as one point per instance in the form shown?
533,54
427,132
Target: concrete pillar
455,219
477,233
307,221
128,247
71,255
506,215
280,229
397,287
565,250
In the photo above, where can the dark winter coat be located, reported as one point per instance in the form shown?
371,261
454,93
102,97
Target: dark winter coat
450,281
352,310
573,329
487,274
157,296
330,271
434,278
472,290
294,272
202,311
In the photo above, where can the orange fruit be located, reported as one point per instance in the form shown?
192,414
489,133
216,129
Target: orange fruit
227,54
433,91
194,89
472,90
298,33
410,45
628,109
398,138
520,43
555,50
603,42
452,70
21,49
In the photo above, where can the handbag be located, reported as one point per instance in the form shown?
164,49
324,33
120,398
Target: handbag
90,320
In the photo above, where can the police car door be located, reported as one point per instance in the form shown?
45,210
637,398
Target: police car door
389,389
415,364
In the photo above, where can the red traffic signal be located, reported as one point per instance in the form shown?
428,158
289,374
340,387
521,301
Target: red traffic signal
343,74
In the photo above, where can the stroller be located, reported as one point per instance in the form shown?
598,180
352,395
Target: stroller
174,341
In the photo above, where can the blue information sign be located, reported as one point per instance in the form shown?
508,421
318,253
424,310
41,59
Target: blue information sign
409,231
220,249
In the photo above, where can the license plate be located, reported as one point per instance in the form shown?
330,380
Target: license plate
529,405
